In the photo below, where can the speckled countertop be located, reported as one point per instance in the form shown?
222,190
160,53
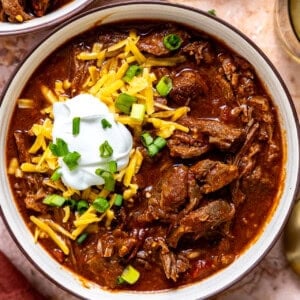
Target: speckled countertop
272,278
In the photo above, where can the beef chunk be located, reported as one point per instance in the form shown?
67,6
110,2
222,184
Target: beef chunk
186,145
187,86
203,220
167,196
219,134
117,243
153,42
174,264
14,8
201,50
104,269
40,7
174,189
22,140
213,175
78,70
34,202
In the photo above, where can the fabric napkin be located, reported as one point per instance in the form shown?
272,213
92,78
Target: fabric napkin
13,284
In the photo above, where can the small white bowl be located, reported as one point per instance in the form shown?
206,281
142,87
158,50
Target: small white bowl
145,10
56,16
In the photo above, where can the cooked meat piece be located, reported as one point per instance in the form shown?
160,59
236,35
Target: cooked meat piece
237,196
174,264
186,145
174,189
2,13
34,201
187,86
228,66
105,269
213,175
222,88
203,220
116,243
78,70
219,134
201,50
23,144
153,42
261,107
40,7
252,131
13,9
246,87
167,196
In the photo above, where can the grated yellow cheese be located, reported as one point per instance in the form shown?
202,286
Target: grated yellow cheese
67,211
173,114
13,166
32,168
133,166
25,103
56,227
19,18
131,191
166,128
49,95
51,233
164,62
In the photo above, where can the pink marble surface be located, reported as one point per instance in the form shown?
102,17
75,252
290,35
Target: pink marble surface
272,278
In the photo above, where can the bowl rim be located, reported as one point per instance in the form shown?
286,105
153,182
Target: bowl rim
198,11
45,22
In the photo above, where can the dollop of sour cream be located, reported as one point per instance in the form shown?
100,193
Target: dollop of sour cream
87,142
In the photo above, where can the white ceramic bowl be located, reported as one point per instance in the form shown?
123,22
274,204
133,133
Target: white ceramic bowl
239,43
57,16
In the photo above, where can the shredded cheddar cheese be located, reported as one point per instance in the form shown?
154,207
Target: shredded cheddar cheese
51,233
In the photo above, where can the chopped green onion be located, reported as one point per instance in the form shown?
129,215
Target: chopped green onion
105,150
160,142
120,280
82,238
76,125
164,86
138,111
132,71
71,160
101,204
72,203
109,181
112,166
146,139
152,150
118,200
212,12
82,206
124,103
105,124
172,41
60,148
56,175
129,275
99,171
54,200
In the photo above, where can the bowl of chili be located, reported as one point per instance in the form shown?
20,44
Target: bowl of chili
156,160
18,17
